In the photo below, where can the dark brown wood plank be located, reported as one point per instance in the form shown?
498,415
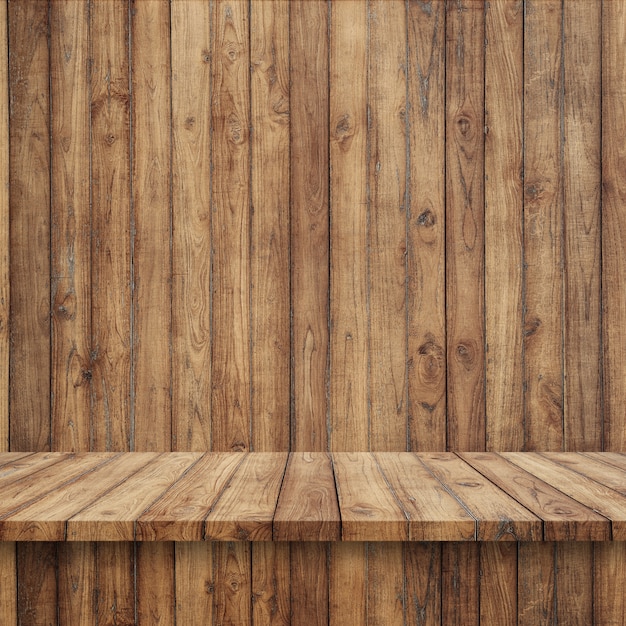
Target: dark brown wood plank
37,598
115,582
349,351
387,244
194,582
434,514
574,583
426,266
460,584
609,569
307,508
8,580
369,510
347,589
498,583
564,519
29,206
536,578
76,583
155,599
179,514
504,406
232,583
385,583
271,583
45,519
422,572
112,516
465,221
543,212
602,499
269,235
308,52
309,583
245,509
499,517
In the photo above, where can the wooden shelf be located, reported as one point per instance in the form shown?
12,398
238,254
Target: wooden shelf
383,496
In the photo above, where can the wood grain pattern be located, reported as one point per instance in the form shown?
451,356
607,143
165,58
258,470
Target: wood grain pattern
155,599
426,266
574,583
37,596
191,223
115,583
422,572
5,239
269,225
536,581
347,589
232,584
194,582
310,576
308,54
8,582
498,583
77,583
151,358
349,354
110,226
543,223
388,228
613,223
504,402
385,584
609,604
460,586
70,243
465,225
271,586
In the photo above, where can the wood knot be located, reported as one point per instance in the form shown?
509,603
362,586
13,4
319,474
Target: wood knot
465,354
531,326
464,125
427,219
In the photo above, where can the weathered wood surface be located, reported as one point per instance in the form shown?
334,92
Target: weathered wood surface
312,497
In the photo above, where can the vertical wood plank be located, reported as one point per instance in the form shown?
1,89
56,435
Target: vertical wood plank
271,583
385,584
536,578
270,295
543,359
613,222
387,241
309,583
230,365
609,601
151,361
110,253
422,571
232,583
582,189
115,584
4,229
498,583
426,226
195,588
349,355
8,583
574,583
71,226
77,583
465,221
37,583
308,53
460,584
504,32
191,219
348,583
155,583
29,204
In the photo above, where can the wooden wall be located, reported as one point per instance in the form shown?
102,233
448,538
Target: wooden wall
272,225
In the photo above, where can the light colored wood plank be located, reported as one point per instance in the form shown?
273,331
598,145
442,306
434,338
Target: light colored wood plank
77,583
602,499
233,604
504,402
347,590
574,583
609,601
369,510
70,241
29,206
23,467
434,514
308,53
426,226
309,583
388,224
349,354
245,509
151,360
269,245
179,514
46,518
110,226
543,278
5,288
499,516
498,583
613,224
37,598
385,584
460,584
194,582
8,458
422,572
155,583
465,222
230,361
307,509
271,583
564,519
612,458
536,578
112,516
37,484
582,58
191,219
115,603
8,582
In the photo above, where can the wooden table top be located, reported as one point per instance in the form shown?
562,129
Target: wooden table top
386,496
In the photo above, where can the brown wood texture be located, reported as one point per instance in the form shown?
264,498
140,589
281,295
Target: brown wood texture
5,247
